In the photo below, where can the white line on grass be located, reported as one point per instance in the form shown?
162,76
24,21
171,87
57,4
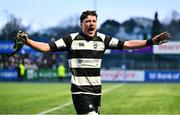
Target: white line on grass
55,108
69,103
111,88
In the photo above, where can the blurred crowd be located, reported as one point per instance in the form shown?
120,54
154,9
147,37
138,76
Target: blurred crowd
39,60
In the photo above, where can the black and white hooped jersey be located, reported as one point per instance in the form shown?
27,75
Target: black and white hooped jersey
85,57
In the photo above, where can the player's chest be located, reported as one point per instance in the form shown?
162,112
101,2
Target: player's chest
87,45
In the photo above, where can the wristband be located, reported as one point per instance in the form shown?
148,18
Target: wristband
149,42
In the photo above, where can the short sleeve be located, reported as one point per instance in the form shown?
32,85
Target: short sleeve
60,44
113,43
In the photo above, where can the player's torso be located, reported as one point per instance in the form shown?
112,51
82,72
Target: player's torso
85,57
87,52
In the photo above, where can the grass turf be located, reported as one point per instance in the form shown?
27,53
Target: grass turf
132,98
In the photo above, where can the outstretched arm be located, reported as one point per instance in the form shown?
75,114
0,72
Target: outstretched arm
40,46
157,40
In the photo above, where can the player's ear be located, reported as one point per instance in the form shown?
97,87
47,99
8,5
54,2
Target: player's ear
81,24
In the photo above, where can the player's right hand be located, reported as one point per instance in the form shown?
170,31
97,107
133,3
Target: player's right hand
21,37
19,40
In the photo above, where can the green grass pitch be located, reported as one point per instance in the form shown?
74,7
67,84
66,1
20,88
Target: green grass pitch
129,98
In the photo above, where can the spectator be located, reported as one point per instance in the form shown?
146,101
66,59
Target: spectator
61,72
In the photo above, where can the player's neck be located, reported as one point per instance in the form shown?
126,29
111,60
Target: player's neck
86,36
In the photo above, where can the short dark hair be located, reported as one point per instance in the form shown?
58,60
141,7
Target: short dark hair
87,13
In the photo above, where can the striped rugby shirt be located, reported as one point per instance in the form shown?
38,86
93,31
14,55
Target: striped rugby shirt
85,57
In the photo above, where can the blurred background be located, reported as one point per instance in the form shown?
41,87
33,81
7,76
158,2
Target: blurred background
124,19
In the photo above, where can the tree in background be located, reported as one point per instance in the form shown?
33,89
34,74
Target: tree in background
129,26
156,26
10,29
110,27
173,26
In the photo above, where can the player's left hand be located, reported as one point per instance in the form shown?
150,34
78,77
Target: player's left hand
161,38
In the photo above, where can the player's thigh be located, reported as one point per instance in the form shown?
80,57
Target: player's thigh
85,103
